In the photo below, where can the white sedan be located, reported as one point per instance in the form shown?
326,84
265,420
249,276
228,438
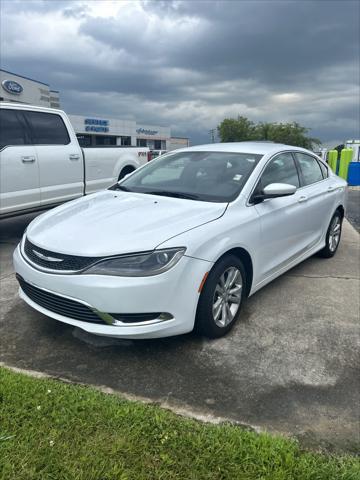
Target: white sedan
182,241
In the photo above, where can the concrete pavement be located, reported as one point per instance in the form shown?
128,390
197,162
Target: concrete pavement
291,365
353,207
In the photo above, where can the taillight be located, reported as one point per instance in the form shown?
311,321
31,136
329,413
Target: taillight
149,156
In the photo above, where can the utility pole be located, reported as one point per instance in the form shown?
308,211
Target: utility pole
212,135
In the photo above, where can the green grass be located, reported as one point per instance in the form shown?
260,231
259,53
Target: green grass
51,430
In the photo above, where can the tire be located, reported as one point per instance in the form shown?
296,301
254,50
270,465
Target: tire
333,236
126,171
209,322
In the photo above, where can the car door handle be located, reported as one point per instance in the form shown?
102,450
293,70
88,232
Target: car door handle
74,156
330,189
302,199
28,159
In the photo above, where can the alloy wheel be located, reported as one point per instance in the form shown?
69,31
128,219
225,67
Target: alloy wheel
334,233
227,297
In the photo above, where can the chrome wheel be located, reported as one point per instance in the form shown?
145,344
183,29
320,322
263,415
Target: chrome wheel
334,233
227,297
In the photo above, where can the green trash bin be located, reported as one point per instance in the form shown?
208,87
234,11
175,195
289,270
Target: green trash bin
345,159
332,159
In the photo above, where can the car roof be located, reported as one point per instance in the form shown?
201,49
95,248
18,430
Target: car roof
27,106
261,148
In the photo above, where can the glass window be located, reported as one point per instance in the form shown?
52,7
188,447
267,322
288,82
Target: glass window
310,168
141,142
84,140
206,176
105,140
13,130
324,170
47,128
125,141
165,173
281,169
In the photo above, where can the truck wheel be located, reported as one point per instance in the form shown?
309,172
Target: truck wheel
125,171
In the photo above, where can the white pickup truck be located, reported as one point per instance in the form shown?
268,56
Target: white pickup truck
42,163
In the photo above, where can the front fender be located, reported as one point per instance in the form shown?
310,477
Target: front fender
238,227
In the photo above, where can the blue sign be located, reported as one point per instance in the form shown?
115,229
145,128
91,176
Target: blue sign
96,125
12,87
144,131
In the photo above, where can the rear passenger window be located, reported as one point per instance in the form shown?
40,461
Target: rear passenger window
324,170
47,128
12,129
310,168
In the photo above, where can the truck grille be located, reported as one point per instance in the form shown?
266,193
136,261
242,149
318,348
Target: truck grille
57,304
65,262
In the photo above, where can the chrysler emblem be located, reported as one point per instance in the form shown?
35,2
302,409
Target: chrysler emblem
48,259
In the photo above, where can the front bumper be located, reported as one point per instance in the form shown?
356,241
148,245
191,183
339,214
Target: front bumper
174,292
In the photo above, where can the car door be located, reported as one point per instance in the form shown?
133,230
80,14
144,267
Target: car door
319,192
282,219
59,157
19,168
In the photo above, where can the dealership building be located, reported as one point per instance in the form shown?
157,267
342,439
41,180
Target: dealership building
91,130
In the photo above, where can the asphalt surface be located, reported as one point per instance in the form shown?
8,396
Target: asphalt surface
290,366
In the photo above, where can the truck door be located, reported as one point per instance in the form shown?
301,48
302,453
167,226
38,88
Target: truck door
19,168
59,156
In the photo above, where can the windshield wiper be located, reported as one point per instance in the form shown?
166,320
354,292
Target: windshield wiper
169,193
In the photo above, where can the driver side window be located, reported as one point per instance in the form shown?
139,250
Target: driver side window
281,169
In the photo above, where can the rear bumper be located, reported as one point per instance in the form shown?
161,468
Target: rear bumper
174,292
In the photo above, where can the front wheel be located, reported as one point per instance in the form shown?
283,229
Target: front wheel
221,298
333,236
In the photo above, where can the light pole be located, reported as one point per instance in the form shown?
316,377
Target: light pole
212,135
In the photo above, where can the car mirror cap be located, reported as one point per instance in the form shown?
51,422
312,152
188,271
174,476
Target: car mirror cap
274,190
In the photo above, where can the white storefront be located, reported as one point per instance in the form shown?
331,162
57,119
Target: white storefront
94,130
20,89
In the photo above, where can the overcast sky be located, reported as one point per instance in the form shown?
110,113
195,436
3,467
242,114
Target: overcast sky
189,64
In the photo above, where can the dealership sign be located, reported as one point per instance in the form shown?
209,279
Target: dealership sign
12,87
145,131
96,125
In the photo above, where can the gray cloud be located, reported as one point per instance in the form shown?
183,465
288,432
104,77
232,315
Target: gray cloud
190,64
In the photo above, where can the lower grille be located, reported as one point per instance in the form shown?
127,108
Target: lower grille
57,304
78,311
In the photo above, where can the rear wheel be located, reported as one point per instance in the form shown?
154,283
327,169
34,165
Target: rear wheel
333,236
221,298
125,171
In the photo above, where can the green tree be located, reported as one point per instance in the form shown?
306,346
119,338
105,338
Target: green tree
237,129
242,129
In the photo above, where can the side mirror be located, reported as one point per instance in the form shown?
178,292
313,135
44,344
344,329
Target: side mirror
274,190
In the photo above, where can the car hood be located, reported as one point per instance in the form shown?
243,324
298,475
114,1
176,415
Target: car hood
111,222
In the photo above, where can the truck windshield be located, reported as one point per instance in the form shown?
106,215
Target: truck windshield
204,176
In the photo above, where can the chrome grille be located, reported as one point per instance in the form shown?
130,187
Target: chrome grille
66,262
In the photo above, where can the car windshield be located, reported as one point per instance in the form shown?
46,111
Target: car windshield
204,176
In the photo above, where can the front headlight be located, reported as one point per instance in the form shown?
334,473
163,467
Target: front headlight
139,265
